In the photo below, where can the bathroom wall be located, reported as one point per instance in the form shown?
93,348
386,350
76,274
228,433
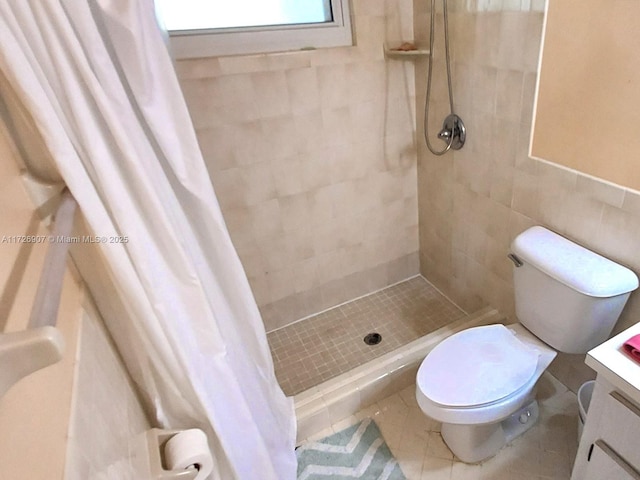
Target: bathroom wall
30,430
108,423
78,418
312,155
604,68
473,202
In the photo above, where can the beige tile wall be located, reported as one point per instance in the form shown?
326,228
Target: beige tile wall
312,155
107,419
473,202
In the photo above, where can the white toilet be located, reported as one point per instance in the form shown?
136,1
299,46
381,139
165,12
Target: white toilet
480,382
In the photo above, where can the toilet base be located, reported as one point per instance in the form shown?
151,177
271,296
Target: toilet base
475,443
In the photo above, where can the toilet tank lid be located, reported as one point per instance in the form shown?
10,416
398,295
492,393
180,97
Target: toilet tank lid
573,265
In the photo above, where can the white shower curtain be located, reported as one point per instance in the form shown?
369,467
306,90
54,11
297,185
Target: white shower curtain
97,81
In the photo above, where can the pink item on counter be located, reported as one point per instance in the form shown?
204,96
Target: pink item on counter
632,347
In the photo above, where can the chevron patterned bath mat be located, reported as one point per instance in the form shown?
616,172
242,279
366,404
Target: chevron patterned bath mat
358,452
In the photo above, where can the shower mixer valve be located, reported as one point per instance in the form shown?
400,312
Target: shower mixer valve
453,131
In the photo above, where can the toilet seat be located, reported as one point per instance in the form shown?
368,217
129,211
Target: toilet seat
475,367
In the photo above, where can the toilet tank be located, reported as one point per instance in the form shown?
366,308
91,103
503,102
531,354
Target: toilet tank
566,295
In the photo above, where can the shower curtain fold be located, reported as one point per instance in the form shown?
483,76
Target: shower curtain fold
98,83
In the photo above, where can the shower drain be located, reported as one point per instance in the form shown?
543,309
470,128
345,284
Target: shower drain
372,338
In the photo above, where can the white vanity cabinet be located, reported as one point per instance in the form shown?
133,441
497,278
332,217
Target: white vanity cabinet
610,445
605,464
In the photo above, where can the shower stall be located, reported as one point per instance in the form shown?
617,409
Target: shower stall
330,192
337,340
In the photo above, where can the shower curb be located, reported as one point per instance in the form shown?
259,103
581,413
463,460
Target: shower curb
319,407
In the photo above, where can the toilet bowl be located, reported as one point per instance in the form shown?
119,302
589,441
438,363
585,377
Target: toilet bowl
477,392
470,397
480,382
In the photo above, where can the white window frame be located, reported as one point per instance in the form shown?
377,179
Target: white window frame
265,39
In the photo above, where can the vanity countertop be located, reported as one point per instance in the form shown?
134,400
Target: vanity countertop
610,361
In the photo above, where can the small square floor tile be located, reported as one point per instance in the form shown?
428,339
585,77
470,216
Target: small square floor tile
323,346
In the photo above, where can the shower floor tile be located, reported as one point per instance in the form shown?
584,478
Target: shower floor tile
323,346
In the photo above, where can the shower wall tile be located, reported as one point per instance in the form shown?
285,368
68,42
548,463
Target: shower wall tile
204,68
312,155
509,95
584,214
601,191
467,219
303,90
526,116
537,5
242,64
108,421
511,44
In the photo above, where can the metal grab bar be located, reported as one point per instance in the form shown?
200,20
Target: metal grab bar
40,345
45,306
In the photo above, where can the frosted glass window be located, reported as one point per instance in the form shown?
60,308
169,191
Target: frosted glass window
203,28
212,14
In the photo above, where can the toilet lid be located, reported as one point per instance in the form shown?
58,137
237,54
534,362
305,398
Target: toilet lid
477,366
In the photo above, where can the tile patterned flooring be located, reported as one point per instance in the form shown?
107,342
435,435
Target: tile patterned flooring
321,347
545,452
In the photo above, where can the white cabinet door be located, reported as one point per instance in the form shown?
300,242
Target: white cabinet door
620,427
605,464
